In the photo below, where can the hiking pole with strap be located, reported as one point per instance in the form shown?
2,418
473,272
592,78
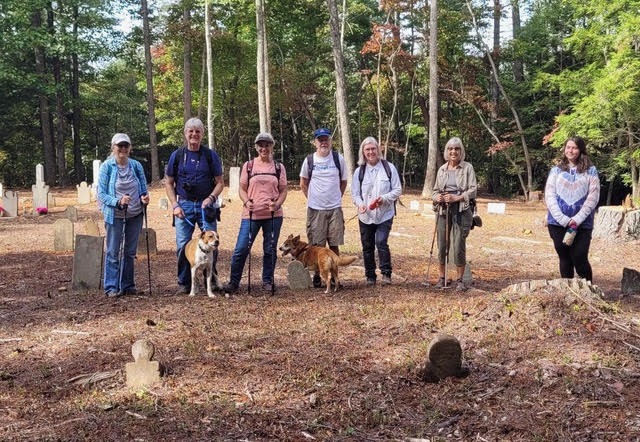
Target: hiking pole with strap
146,234
124,227
446,243
273,246
249,247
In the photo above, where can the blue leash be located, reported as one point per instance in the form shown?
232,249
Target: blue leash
187,219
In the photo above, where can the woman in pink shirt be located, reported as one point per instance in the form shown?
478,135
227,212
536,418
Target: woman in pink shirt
263,189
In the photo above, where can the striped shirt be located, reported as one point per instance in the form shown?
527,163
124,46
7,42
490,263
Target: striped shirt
572,195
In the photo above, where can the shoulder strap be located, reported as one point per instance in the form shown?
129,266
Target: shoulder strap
209,155
336,161
387,169
249,169
310,165
177,160
361,171
277,165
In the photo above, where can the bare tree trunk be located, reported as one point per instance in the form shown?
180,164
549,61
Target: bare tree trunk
378,66
430,177
341,90
635,187
75,97
516,117
186,79
61,163
495,93
262,68
45,115
155,165
207,39
518,70
202,71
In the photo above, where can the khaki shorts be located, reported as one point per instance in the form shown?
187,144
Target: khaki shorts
325,226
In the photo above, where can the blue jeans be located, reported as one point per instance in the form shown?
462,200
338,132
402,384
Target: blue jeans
374,236
112,260
268,248
184,231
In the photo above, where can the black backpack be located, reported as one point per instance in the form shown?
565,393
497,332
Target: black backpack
387,169
250,175
336,161
181,156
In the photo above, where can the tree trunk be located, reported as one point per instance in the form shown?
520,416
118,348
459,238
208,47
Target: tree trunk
518,70
75,98
155,165
48,150
635,188
615,222
495,93
262,68
431,166
202,72
207,40
61,162
186,78
341,90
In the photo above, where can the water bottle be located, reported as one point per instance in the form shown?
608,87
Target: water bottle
570,234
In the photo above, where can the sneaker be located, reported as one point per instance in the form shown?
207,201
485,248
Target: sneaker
371,281
385,280
317,281
440,283
182,290
231,287
113,294
460,286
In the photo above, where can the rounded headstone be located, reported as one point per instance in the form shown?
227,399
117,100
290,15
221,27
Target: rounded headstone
444,359
142,350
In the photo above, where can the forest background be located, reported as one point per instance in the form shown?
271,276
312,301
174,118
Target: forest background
512,78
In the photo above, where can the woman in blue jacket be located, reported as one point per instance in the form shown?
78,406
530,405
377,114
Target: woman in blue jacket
122,192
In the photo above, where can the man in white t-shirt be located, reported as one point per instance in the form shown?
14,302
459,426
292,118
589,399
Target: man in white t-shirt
323,179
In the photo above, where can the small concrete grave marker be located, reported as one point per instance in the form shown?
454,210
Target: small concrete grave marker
444,359
10,203
467,278
40,190
163,203
84,193
496,208
51,200
234,183
63,236
630,282
143,372
298,276
142,242
91,228
87,263
71,213
414,205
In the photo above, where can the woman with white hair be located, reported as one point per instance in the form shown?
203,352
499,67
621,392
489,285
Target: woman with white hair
375,187
455,186
193,182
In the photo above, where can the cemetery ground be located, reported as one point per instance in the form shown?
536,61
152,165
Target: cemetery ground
544,365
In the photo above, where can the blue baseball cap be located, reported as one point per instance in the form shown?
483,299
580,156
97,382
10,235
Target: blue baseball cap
322,132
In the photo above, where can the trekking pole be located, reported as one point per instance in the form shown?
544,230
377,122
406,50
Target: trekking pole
146,234
249,247
446,243
273,247
433,241
124,227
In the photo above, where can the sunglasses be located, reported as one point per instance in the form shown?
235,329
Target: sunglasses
123,145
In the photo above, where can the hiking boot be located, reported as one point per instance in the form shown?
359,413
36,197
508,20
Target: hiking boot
440,283
267,287
113,294
231,287
460,286
371,281
317,281
385,280
182,290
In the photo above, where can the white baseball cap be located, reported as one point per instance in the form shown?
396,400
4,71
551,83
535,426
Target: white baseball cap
119,138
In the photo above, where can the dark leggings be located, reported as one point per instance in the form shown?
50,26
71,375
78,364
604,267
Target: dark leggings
574,256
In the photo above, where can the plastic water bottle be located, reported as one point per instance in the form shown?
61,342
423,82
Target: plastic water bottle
570,234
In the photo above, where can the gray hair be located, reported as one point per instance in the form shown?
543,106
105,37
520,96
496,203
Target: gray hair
369,140
194,122
454,142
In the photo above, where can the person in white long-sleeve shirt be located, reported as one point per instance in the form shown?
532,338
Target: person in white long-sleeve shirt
374,190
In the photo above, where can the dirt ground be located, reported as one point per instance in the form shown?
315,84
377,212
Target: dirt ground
309,366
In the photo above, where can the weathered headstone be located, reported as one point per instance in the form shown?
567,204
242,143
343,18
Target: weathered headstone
87,263
84,193
630,282
63,236
163,203
51,200
535,195
40,190
142,242
91,228
414,205
96,174
444,359
298,276
496,208
71,213
234,183
10,203
143,372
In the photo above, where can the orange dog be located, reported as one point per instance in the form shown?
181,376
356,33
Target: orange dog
319,259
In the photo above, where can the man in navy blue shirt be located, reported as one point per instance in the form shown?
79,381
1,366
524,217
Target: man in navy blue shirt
193,182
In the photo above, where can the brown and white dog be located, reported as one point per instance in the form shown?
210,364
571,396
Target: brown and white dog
319,259
202,254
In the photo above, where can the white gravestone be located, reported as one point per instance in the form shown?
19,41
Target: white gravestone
1,190
40,190
84,193
414,204
234,183
10,203
497,208
96,174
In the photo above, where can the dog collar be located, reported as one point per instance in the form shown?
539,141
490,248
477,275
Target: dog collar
301,250
203,250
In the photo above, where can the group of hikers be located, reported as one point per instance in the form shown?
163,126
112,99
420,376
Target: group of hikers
194,182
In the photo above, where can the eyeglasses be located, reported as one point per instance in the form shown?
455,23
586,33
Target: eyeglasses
123,145
453,148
